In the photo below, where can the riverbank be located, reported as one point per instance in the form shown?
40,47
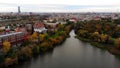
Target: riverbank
72,53
34,45
102,34
107,47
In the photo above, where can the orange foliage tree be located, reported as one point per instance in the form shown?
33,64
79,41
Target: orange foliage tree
60,38
67,29
54,41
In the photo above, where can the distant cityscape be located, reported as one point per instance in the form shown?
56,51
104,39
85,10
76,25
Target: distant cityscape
32,32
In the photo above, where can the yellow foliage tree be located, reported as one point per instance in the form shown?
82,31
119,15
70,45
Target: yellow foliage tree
96,33
34,35
42,37
117,42
95,36
6,46
103,37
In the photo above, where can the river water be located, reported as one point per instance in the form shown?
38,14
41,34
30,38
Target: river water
73,53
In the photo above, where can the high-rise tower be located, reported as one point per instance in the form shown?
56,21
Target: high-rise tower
19,9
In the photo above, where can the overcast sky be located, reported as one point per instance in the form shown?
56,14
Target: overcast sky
60,5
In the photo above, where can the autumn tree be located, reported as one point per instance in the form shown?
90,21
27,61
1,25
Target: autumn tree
26,51
95,36
117,32
10,61
34,35
60,26
103,38
67,28
117,42
110,40
53,40
60,39
45,46
62,33
6,46
41,37
98,27
83,33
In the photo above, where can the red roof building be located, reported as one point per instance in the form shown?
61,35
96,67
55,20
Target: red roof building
73,19
39,25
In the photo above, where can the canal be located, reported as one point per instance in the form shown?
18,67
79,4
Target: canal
73,53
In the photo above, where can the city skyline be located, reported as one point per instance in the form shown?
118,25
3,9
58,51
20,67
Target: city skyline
60,6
